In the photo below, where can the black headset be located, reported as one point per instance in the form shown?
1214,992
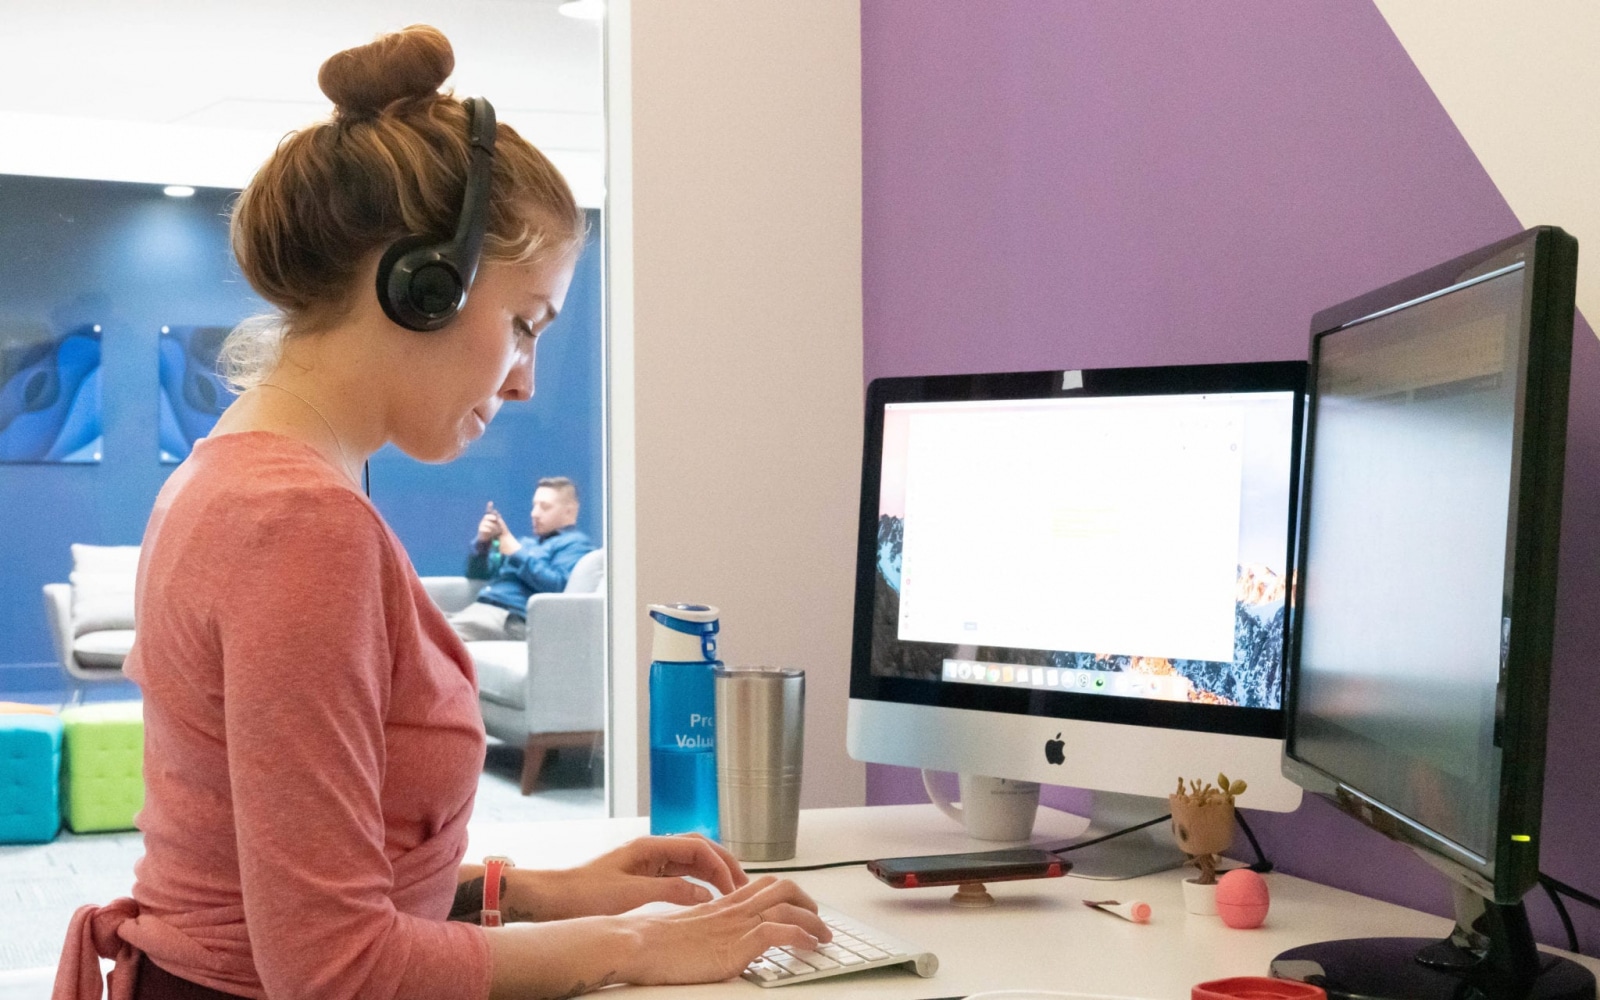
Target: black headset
422,284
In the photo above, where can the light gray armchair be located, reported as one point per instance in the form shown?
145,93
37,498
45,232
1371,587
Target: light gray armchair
91,618
549,692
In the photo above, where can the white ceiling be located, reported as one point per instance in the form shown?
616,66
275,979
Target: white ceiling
199,91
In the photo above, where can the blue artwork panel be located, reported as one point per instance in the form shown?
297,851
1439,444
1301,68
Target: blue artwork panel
50,394
193,395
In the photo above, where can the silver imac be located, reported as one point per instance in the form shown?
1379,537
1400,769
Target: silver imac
1081,578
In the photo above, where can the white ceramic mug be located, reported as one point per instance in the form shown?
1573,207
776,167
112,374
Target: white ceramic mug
990,808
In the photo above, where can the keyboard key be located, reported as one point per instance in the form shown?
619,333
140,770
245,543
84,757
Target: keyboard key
848,941
791,964
843,956
854,946
765,970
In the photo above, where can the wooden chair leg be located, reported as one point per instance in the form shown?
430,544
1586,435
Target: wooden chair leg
533,755
538,747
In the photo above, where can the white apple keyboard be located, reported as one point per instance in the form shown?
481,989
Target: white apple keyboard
855,948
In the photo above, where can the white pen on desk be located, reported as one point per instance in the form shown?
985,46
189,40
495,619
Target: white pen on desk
1136,911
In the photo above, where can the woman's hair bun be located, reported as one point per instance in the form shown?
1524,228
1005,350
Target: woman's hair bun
407,64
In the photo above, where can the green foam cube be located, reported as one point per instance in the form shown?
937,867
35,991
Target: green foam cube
102,765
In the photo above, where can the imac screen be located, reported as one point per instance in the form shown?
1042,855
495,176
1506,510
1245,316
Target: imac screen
1099,553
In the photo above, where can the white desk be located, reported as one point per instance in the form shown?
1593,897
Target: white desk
1037,935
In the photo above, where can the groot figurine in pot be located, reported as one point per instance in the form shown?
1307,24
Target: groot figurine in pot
1202,822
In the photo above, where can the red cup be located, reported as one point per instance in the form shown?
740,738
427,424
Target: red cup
1256,988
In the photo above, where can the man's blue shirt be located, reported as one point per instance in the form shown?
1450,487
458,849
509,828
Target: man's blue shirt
540,566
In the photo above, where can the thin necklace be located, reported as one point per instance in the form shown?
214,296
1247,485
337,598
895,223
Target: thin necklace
343,458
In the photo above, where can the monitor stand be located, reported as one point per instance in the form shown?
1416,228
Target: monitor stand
1490,954
1141,852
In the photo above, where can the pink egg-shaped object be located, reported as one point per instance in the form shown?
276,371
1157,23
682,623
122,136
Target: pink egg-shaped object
1242,898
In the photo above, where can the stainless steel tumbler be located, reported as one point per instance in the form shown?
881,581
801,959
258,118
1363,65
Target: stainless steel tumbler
761,729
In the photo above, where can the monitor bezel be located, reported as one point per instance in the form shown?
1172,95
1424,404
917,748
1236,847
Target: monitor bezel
1265,376
1549,257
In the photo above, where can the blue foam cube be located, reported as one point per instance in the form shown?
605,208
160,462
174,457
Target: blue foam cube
30,787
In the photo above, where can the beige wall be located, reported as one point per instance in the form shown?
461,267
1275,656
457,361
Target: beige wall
1522,83
736,373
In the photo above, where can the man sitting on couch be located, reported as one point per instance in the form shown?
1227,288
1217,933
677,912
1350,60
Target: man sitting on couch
518,568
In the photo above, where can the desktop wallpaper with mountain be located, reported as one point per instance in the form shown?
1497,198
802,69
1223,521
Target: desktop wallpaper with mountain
1253,679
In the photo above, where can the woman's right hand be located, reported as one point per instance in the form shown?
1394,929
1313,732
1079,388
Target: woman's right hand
706,943
716,940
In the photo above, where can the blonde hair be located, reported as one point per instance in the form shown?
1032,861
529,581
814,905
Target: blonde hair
391,162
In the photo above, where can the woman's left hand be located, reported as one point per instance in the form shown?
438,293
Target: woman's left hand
647,870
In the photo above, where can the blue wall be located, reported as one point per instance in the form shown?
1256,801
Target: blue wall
131,259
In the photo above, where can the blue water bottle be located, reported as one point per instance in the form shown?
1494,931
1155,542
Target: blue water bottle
683,727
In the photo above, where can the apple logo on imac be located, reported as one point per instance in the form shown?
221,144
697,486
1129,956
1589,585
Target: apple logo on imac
1055,750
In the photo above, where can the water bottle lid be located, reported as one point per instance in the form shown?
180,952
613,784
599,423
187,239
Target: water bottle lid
698,620
684,613
687,628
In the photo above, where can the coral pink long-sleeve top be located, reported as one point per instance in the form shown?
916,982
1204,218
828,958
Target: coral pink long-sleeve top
312,746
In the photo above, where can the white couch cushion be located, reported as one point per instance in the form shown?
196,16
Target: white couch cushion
589,575
106,648
102,587
502,670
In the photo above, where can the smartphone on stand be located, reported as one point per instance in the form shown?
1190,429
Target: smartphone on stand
959,869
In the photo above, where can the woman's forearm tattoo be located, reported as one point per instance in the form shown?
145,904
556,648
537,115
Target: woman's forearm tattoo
468,905
579,989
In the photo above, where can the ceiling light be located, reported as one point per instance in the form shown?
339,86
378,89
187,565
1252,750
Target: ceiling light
584,10
178,191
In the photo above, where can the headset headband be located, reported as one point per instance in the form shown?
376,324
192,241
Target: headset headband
423,285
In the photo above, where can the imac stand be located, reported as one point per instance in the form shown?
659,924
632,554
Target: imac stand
1000,809
1141,852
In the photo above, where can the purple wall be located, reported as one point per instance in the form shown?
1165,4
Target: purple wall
1083,185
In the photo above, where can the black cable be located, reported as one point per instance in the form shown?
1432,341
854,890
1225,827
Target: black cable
1110,836
802,868
1052,850
1569,891
1561,911
366,479
1262,865
1556,888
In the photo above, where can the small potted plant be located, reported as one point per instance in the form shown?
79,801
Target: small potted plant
1202,823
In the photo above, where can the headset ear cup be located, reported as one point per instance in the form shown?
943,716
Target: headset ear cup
419,287
421,284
